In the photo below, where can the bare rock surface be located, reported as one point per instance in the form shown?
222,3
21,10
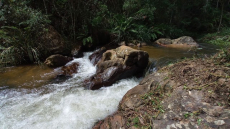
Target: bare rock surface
184,41
116,64
97,55
192,94
57,60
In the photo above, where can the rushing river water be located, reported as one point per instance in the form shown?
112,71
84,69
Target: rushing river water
29,100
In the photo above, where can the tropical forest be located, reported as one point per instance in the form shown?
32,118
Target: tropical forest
115,64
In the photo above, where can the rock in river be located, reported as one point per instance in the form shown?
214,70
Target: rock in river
116,64
57,60
97,55
184,41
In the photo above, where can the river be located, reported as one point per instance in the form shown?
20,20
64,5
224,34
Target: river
30,99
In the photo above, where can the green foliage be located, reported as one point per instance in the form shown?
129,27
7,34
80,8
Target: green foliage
135,121
221,38
87,40
170,30
187,115
19,35
134,22
144,20
123,27
199,121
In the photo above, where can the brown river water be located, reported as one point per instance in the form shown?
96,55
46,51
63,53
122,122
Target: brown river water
30,76
29,98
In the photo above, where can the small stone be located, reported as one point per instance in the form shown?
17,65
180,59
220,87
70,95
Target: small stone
169,106
171,126
209,119
219,122
221,81
178,125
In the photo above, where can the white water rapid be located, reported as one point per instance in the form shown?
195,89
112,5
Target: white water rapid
65,105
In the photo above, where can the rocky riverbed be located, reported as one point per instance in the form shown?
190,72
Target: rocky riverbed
65,103
190,94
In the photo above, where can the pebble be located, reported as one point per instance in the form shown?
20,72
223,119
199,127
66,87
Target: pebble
219,122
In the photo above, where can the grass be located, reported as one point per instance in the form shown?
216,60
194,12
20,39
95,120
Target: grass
136,121
187,115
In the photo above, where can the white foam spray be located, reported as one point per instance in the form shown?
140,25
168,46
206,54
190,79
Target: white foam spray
65,106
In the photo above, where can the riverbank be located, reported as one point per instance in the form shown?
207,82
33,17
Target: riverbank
193,93
46,105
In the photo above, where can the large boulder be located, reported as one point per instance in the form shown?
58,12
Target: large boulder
117,64
184,41
97,55
52,41
57,60
190,94
164,41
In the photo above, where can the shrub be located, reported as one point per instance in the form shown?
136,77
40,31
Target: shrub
19,35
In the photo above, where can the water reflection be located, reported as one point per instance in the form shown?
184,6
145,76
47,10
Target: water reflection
26,76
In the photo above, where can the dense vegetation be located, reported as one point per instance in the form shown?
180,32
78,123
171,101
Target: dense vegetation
23,22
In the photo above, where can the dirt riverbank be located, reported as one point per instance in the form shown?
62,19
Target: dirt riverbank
194,93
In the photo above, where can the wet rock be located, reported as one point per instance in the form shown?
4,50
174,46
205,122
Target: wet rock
66,72
185,41
117,64
69,70
164,41
57,60
60,78
117,123
97,55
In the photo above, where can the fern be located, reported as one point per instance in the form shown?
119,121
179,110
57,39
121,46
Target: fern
19,33
87,40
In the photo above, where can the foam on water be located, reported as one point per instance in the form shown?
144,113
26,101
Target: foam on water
65,106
